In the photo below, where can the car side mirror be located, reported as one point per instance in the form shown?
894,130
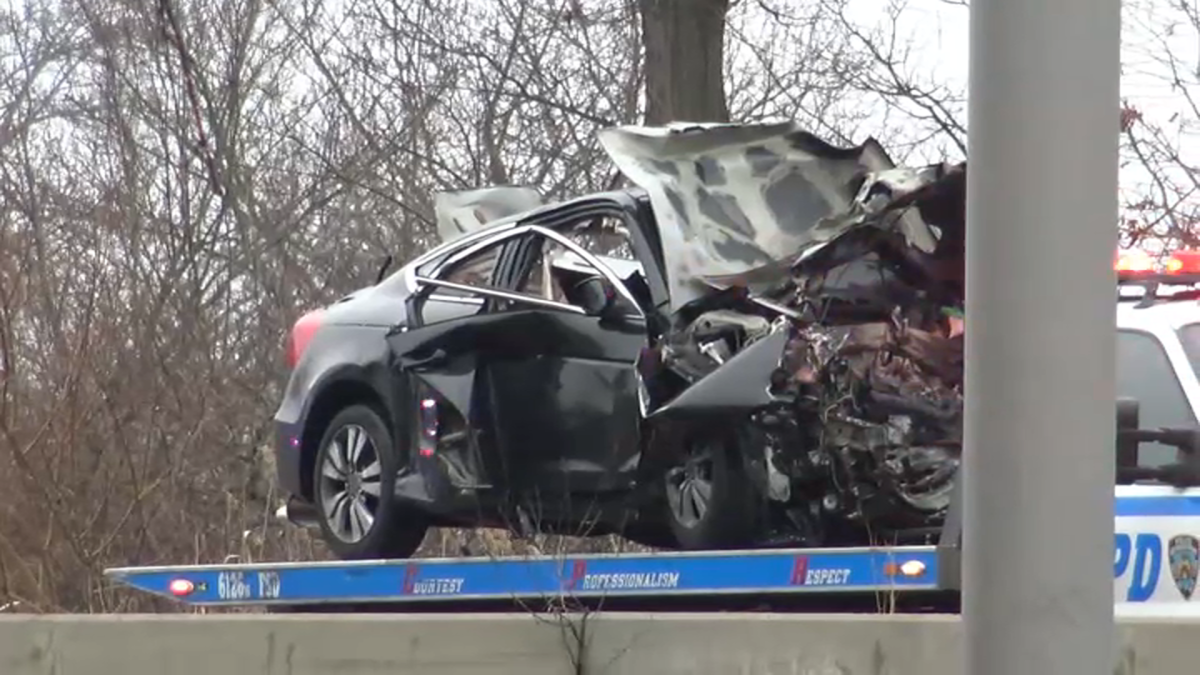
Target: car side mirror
1183,473
592,295
599,299
1128,422
616,308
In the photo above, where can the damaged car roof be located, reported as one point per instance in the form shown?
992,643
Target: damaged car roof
734,201
732,198
459,213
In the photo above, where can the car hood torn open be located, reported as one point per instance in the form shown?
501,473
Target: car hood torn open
735,199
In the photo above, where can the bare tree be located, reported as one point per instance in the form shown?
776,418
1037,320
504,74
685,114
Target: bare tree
1159,123
180,180
685,47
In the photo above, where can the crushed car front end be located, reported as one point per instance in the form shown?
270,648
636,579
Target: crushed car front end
817,296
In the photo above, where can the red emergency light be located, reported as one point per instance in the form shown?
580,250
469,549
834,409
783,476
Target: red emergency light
1183,262
1132,264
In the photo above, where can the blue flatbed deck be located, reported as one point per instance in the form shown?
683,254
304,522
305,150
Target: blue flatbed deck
1150,523
786,571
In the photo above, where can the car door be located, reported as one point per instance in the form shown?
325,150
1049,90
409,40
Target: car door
469,329
451,314
566,404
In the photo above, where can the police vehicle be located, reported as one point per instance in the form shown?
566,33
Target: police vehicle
1158,500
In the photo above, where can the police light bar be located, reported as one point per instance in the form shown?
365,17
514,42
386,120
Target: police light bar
1134,262
1140,266
1183,262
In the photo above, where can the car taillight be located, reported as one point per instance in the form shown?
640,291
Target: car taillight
301,334
427,446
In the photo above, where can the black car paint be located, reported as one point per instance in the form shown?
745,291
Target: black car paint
737,387
532,392
553,394
537,376
347,355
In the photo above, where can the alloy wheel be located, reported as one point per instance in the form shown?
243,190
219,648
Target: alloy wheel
350,489
690,486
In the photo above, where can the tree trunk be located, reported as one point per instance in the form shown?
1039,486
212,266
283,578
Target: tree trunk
684,42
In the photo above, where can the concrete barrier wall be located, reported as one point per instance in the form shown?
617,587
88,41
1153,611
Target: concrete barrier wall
617,644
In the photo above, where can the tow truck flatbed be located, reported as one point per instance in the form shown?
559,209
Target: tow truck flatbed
1149,520
1156,555
536,577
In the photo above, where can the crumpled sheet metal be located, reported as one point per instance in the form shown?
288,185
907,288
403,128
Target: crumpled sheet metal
462,212
886,191
931,355
924,367
883,202
730,198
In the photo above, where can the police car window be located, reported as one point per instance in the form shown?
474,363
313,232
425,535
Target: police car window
1189,337
1145,373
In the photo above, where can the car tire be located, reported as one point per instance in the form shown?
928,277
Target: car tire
354,478
711,471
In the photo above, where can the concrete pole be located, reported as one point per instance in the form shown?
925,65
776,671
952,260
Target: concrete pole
1041,224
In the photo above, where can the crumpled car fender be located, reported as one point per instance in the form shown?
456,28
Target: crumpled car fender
740,385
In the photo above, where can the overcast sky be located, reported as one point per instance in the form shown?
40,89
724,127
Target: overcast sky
1160,45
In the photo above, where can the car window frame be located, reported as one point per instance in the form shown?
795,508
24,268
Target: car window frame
447,249
432,281
425,287
595,263
452,261
447,256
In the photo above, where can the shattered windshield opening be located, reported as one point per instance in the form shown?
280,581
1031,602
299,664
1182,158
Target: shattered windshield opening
1144,373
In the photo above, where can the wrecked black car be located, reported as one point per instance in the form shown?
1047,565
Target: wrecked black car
758,344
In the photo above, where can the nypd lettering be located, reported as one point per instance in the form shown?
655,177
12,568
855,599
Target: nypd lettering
1138,565
239,586
1156,566
268,585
